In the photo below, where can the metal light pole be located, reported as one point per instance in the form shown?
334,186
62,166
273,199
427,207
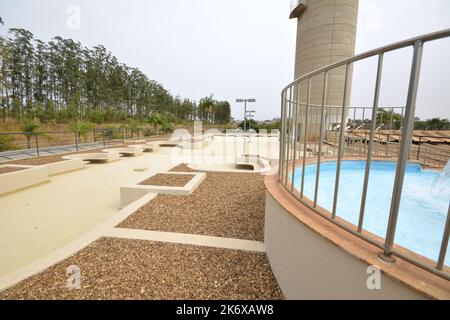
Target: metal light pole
245,113
250,115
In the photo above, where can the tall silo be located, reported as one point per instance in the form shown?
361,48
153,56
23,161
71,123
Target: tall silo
326,33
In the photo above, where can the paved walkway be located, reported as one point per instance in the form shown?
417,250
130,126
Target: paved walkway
184,238
45,151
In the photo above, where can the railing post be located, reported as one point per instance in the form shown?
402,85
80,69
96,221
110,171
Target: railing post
289,131
444,243
400,131
321,127
405,148
305,138
295,121
371,137
418,148
37,143
281,138
341,143
76,140
389,132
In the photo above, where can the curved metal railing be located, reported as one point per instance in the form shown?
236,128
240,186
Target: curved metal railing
300,143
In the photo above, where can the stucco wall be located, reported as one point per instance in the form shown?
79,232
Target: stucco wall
308,266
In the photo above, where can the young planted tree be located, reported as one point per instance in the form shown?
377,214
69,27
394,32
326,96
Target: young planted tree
82,129
154,120
30,129
133,126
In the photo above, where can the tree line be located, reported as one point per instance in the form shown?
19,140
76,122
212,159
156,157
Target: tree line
61,81
394,120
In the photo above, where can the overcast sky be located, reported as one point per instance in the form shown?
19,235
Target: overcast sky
241,48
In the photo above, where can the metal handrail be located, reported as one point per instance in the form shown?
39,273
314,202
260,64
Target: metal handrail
290,134
66,131
398,45
34,143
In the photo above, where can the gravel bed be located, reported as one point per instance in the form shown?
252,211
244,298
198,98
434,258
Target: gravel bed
182,168
224,205
168,180
136,269
10,169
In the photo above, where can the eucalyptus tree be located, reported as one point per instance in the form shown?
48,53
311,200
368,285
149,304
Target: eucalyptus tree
62,81
223,112
21,52
4,73
206,108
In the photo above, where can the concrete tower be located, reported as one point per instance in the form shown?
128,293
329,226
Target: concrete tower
326,33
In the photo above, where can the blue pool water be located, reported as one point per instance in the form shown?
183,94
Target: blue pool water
423,209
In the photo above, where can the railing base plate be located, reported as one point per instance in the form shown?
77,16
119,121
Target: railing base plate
386,257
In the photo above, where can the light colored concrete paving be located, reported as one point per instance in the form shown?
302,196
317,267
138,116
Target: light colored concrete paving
41,219
37,223
73,247
182,238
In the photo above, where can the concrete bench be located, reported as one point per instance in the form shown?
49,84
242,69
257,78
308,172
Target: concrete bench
169,144
65,166
148,147
130,151
95,157
137,141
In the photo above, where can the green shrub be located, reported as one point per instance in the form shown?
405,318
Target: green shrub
112,133
82,129
6,142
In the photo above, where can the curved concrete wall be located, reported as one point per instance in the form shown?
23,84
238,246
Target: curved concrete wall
308,266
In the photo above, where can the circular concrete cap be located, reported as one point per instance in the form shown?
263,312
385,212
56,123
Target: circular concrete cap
297,8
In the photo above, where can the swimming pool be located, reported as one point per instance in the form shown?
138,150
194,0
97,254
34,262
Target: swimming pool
423,209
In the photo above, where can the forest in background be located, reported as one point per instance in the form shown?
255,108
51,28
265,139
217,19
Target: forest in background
62,82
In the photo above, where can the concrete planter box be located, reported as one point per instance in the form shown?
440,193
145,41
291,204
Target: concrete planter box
257,163
16,180
95,157
133,191
65,166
